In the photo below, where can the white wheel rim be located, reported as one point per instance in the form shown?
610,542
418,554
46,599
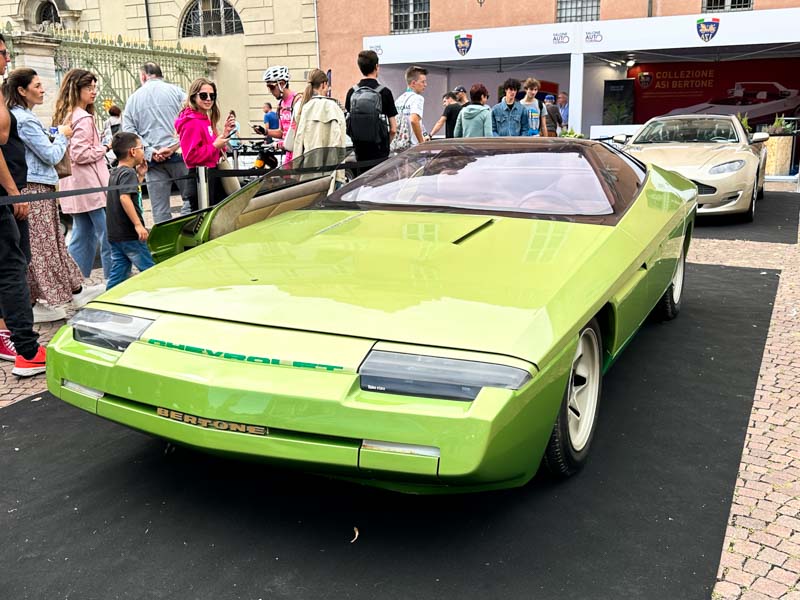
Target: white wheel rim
677,280
584,389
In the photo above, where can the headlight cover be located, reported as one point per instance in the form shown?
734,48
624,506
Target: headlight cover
435,377
109,330
728,167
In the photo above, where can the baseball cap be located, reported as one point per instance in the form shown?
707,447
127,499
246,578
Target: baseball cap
550,97
459,89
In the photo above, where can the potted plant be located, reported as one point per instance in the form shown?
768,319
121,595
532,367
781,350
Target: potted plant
570,133
779,147
743,120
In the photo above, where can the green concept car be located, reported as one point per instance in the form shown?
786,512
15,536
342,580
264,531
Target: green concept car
439,324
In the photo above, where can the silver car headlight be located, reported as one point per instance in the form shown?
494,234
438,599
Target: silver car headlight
109,330
728,167
435,377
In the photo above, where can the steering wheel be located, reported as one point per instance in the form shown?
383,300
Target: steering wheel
719,139
544,200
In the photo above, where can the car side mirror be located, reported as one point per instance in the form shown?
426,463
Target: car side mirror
759,137
620,139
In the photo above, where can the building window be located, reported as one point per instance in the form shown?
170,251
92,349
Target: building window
577,10
411,16
726,5
211,17
47,13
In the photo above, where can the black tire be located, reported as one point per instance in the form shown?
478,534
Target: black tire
669,305
564,457
760,194
750,215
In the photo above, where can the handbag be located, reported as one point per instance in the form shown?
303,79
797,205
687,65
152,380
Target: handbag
229,184
64,166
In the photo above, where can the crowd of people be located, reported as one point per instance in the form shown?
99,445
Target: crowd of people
163,135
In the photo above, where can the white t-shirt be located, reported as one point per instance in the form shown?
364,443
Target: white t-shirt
535,116
410,103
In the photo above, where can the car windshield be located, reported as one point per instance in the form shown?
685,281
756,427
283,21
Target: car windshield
543,180
687,131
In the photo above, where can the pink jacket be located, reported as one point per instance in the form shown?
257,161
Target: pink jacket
197,139
87,155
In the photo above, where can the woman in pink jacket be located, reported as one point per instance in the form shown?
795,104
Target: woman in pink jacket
75,107
201,145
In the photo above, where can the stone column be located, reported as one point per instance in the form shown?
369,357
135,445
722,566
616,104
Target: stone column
37,51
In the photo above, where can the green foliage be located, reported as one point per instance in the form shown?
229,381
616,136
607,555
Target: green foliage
779,126
744,122
570,133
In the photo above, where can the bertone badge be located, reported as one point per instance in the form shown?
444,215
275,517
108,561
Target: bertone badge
463,44
645,79
707,29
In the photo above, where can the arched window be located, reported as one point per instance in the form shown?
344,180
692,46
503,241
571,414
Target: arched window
47,12
211,17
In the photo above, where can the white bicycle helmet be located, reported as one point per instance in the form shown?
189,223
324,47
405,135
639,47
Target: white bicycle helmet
275,74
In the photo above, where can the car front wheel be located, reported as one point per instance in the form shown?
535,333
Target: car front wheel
568,448
750,215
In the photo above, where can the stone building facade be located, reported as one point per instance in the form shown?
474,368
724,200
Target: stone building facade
246,36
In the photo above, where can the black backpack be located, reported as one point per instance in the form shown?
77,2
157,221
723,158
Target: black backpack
366,121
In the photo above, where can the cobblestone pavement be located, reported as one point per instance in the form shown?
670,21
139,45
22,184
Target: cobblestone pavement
760,558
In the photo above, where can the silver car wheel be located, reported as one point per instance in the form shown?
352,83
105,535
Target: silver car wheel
584,389
677,279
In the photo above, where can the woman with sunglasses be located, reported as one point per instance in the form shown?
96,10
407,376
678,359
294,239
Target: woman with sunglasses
75,108
201,144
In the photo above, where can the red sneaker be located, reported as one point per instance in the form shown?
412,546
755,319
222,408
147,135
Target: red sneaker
27,368
7,351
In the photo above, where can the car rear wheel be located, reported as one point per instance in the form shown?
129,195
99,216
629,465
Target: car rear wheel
670,304
568,448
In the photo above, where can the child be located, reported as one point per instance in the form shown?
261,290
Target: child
126,232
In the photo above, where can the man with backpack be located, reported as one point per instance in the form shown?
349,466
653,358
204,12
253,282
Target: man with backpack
371,122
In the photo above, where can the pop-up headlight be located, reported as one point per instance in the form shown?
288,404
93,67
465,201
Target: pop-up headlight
105,329
435,377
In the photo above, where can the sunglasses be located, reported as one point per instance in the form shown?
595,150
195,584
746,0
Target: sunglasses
207,96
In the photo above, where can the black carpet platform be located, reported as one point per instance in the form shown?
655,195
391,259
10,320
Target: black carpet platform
91,510
776,222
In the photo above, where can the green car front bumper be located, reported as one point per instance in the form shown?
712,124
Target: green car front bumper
312,417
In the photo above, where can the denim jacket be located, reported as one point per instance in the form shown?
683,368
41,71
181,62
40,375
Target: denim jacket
40,153
509,121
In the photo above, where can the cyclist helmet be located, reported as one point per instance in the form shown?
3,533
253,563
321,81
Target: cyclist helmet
276,74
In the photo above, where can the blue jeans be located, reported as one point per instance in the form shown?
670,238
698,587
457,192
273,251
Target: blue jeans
125,254
88,230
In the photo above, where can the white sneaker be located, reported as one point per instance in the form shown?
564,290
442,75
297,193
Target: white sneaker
44,313
87,294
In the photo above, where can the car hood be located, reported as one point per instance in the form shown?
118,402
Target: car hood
686,157
470,282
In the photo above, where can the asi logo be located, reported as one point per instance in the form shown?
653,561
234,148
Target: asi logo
463,44
645,80
707,29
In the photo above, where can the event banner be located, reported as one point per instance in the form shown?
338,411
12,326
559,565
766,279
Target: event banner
618,102
761,89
